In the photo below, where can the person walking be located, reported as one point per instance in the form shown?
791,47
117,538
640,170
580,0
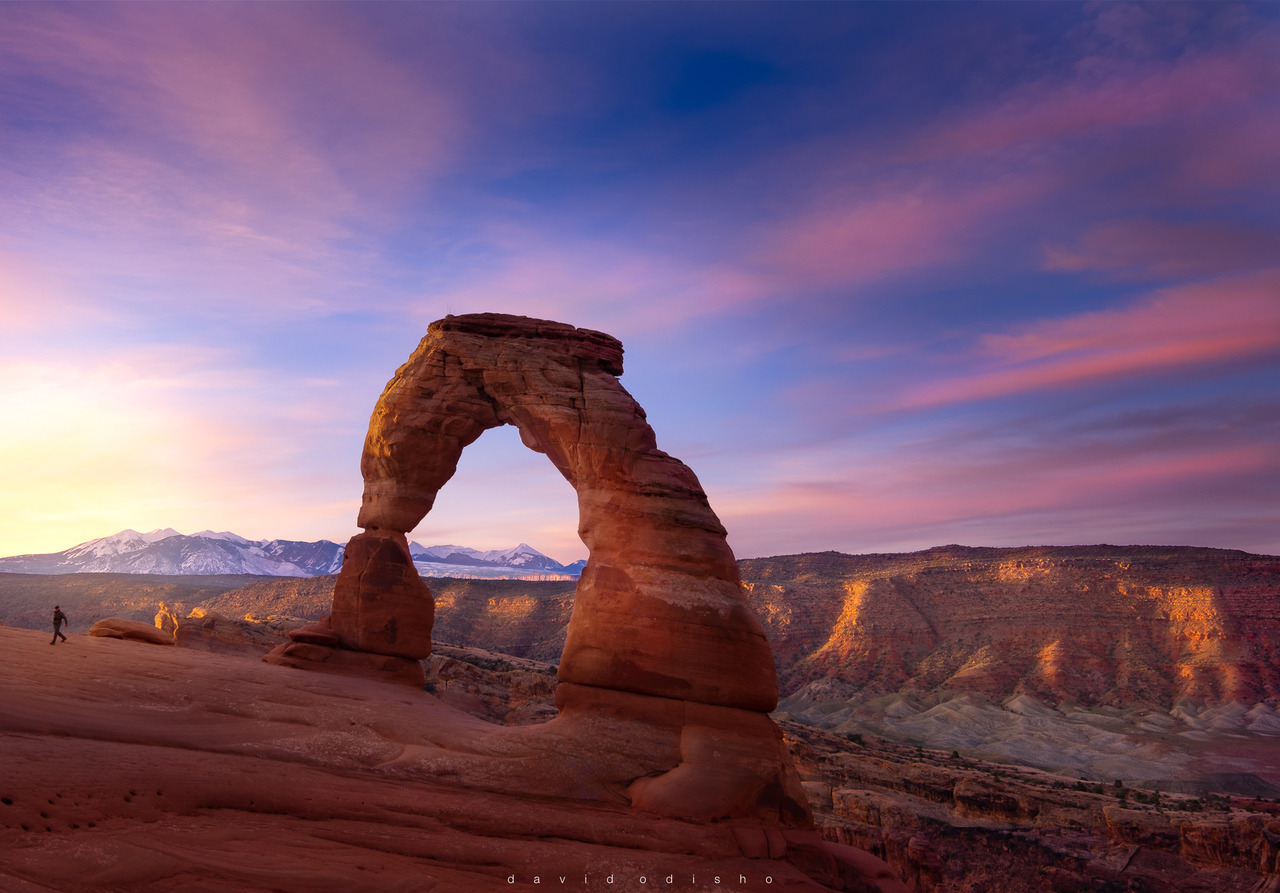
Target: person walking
58,619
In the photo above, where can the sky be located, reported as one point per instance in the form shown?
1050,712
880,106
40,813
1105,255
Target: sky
888,276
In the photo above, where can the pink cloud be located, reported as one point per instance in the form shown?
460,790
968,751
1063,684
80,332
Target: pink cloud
1177,328
296,105
1108,95
1145,248
893,229
1125,486
1237,152
243,147
1168,133
944,193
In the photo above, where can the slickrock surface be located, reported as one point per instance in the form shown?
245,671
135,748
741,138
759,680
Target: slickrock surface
666,678
129,767
948,823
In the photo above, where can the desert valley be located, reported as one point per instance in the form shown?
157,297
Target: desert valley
956,311
981,719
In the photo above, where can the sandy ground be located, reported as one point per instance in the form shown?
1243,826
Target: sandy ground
133,767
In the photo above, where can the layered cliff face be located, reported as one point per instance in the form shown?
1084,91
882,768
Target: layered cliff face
1097,626
1103,626
948,823
517,617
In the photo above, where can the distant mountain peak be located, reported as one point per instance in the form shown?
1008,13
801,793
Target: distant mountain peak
518,561
162,533
166,551
224,535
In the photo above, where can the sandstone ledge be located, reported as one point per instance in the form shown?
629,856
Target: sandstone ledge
135,630
158,770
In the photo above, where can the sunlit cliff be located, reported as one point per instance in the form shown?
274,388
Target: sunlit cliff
1097,625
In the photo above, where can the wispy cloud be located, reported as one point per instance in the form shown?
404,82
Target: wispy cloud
1037,480
246,145
596,283
1158,249
891,230
1049,154
1177,329
1107,94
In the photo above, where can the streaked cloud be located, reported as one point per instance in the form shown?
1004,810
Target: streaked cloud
1111,478
1159,249
1114,93
1175,330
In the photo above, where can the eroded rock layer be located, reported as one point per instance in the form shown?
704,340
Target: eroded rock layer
666,675
659,610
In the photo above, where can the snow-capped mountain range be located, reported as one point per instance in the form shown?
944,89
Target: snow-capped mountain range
168,552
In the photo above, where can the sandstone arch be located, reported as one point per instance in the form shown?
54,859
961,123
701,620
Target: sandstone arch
666,676
659,610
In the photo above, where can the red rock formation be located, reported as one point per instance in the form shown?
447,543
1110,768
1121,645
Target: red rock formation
659,609
317,646
661,650
949,824
208,630
119,628
1094,625
156,770
380,603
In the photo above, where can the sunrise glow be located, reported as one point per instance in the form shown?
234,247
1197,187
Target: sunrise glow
881,286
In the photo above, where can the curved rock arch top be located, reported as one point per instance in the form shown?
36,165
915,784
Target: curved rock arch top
659,610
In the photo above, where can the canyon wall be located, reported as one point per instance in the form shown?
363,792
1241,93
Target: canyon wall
1094,625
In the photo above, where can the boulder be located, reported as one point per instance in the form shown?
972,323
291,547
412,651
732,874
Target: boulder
136,630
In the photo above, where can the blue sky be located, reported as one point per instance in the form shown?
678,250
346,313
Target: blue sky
888,275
